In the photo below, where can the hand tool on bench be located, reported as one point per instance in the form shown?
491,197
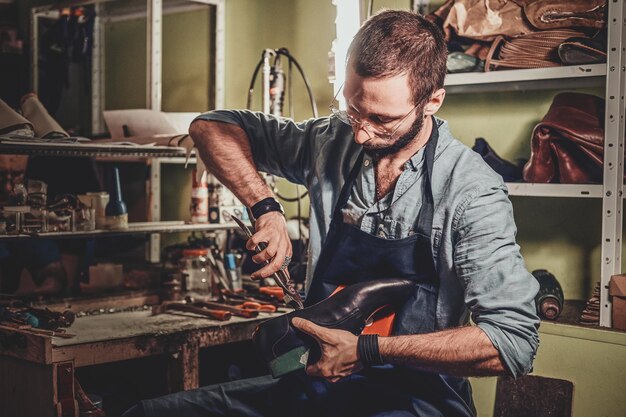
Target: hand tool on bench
166,306
234,310
273,291
291,296
236,299
257,307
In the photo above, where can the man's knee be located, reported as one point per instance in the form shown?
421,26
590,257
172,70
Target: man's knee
135,411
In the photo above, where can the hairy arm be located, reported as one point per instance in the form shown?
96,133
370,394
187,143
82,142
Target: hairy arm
463,351
226,152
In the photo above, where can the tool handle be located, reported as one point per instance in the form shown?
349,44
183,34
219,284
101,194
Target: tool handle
234,310
214,314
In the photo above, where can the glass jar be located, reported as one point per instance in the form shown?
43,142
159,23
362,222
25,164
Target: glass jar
196,270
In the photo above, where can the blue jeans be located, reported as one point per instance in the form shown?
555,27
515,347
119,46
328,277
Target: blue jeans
373,393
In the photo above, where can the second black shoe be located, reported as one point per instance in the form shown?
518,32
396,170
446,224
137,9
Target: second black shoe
287,349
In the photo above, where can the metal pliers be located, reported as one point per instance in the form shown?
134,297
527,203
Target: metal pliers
292,297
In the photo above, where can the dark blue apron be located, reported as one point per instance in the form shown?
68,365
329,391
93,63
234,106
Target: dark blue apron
350,255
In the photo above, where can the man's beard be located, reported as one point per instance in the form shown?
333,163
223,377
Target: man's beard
381,151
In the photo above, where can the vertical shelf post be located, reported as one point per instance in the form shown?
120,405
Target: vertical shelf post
612,199
154,47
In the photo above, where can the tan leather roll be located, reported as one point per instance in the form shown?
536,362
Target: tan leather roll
44,124
12,122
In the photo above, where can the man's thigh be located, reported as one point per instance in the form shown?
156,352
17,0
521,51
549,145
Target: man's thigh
246,397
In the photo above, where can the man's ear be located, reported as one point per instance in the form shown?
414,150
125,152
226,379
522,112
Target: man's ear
435,102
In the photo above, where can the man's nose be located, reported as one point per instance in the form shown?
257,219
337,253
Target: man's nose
361,134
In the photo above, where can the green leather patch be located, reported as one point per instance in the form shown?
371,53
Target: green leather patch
288,362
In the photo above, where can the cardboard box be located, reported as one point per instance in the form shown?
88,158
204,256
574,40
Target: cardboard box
617,291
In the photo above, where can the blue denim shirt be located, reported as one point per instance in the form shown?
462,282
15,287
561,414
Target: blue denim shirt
481,271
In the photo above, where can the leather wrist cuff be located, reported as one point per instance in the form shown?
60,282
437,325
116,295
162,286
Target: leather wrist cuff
367,350
265,206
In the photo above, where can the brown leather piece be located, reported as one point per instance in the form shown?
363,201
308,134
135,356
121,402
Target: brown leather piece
567,146
486,19
573,168
541,167
533,50
554,14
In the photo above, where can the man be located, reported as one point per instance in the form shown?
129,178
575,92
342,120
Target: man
392,194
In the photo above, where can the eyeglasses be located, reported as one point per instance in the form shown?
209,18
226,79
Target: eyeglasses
376,129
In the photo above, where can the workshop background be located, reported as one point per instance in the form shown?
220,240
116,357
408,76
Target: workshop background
561,235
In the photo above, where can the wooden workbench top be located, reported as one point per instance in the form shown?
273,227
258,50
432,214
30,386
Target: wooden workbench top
127,335
108,327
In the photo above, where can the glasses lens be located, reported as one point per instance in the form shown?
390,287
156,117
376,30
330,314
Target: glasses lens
343,116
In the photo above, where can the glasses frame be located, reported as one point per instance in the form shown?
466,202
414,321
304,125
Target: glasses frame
379,131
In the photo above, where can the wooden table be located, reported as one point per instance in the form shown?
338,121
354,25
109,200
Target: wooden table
45,365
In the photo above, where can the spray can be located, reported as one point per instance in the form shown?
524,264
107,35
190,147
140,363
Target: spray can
199,207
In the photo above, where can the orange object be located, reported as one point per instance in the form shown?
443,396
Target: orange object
251,305
273,291
380,322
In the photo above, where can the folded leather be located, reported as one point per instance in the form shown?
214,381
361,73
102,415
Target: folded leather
554,14
45,125
582,51
567,146
13,122
287,349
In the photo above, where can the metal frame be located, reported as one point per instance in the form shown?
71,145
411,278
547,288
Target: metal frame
153,79
612,200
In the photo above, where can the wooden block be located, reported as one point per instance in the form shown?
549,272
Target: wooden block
534,396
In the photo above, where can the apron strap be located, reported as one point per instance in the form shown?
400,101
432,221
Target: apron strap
425,217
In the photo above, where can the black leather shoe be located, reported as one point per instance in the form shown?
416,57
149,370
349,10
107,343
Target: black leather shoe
509,171
287,349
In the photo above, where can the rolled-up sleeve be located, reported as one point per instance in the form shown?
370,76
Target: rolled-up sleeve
499,290
279,145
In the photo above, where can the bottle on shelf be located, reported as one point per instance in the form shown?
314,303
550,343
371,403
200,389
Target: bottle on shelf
116,211
199,208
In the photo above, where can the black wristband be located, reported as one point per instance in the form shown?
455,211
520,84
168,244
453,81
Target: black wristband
265,206
367,350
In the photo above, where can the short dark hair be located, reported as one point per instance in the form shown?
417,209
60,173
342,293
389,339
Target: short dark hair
395,42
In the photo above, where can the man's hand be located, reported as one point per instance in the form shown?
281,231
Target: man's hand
339,356
271,228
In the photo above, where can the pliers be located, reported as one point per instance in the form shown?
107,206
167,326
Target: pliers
292,297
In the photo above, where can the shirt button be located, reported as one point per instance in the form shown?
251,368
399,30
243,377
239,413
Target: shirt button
366,162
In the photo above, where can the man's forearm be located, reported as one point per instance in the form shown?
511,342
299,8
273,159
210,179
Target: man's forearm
225,150
464,351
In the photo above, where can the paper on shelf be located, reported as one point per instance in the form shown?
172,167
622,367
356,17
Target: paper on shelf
139,122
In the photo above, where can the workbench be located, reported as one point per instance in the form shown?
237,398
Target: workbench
45,364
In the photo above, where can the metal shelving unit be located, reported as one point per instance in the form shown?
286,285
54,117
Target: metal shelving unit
527,79
136,228
555,190
86,149
156,155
